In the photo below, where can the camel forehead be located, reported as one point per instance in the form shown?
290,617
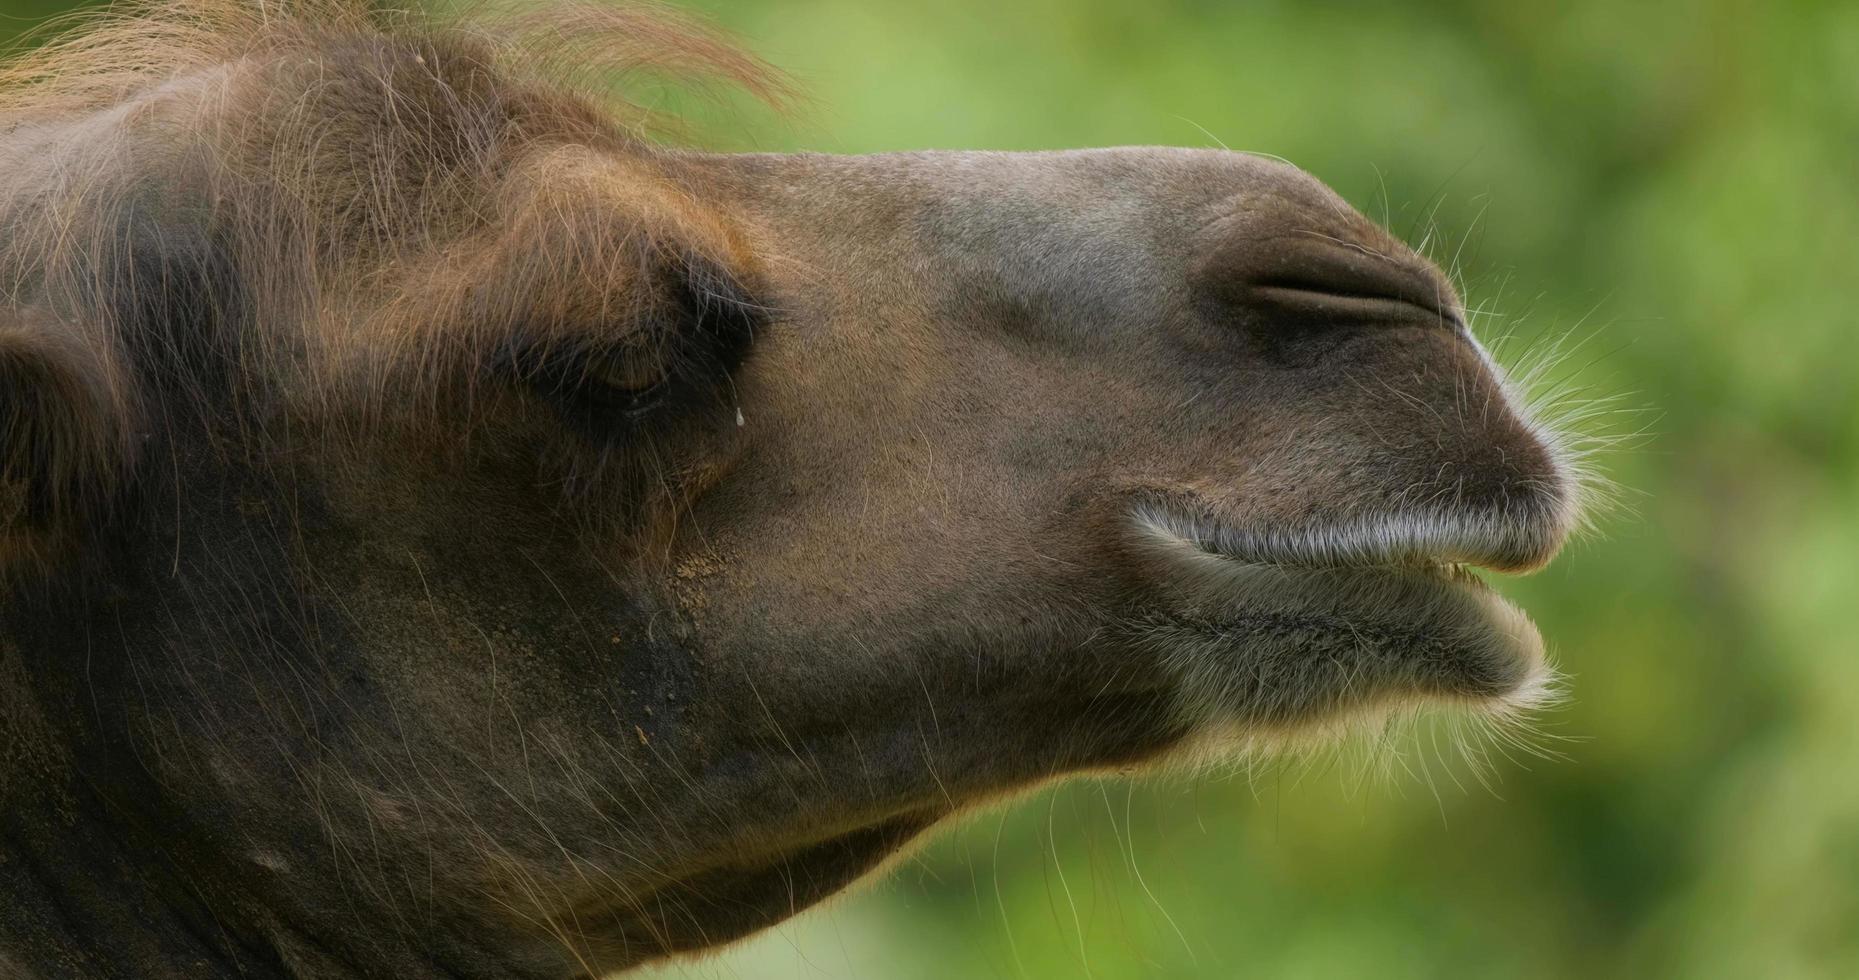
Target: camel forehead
1164,169
994,188
1061,207
1111,231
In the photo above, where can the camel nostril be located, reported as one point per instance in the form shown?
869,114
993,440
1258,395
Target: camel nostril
1289,281
1298,300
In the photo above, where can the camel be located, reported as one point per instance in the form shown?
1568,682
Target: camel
445,533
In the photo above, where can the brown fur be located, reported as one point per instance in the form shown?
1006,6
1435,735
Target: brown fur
404,193
445,533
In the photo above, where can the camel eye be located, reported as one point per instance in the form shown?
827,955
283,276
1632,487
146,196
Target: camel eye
627,382
601,393
611,389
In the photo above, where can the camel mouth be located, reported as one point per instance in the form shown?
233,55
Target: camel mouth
1408,551
1404,595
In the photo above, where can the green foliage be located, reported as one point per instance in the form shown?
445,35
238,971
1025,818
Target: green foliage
1668,190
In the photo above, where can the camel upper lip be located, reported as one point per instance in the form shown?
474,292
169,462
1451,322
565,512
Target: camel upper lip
1505,544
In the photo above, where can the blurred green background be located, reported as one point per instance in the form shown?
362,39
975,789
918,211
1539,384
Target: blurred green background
1669,191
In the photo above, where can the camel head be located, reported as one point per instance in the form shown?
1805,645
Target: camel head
444,534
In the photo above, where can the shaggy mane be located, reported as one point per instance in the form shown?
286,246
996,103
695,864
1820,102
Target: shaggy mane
94,59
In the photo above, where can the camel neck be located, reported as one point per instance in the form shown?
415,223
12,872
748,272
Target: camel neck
92,895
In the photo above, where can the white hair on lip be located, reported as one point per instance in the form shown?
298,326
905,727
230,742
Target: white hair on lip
1512,540
1575,425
